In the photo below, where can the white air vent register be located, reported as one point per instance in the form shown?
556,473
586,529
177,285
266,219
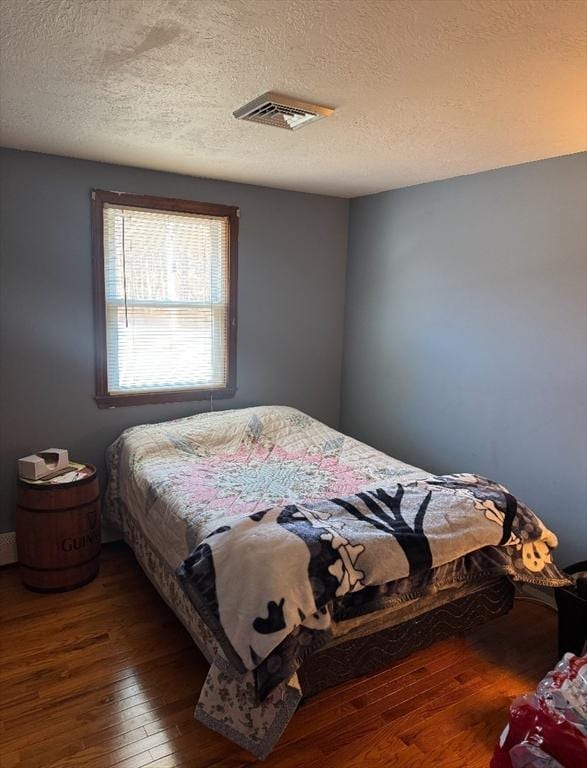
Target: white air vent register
281,111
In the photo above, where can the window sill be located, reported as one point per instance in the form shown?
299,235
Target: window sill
152,398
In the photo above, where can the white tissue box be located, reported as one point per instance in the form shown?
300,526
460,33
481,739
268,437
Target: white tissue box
47,462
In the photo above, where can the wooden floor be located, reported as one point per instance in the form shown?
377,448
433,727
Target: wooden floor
106,676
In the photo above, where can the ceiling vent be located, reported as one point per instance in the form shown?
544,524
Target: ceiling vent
281,111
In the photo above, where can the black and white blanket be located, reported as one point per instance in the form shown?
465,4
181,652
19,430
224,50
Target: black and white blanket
269,580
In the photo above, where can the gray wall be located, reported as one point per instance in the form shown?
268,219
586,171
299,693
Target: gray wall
466,320
292,254
466,332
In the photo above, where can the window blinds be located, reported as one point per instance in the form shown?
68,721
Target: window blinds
166,277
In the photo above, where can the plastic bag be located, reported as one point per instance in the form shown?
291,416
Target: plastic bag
549,729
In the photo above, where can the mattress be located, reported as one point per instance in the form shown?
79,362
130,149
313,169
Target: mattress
180,480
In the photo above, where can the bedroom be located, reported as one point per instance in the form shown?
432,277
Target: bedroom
322,341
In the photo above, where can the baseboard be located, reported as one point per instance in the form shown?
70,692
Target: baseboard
8,553
8,548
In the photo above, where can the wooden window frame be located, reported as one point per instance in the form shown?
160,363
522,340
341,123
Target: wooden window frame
103,397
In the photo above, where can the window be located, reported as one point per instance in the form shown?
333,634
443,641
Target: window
165,299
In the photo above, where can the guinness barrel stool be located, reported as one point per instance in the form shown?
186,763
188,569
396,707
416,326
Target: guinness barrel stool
58,530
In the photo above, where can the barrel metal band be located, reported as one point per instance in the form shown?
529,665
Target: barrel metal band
62,567
61,509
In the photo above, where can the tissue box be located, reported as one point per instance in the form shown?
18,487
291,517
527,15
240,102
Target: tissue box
39,465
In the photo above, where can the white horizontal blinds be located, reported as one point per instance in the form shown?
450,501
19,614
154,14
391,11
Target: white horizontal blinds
167,299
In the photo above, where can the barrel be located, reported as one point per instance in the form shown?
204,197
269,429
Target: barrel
58,533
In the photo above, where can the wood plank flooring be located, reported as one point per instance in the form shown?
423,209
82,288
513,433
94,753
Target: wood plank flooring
106,677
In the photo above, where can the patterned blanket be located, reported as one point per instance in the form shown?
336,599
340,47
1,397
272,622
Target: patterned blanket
266,583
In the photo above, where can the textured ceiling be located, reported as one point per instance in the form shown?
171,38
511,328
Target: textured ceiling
423,90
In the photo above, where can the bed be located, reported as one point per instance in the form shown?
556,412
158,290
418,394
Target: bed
174,485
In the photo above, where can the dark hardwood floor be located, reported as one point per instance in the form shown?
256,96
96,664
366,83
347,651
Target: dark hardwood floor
106,676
